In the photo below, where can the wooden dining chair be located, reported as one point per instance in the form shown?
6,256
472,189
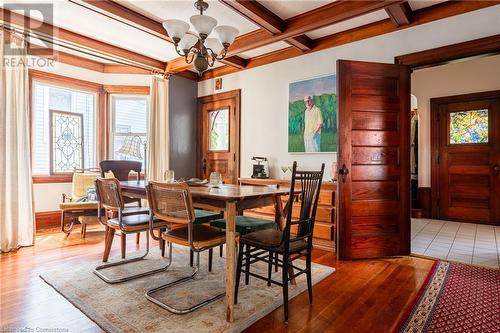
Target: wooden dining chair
263,245
172,204
111,201
120,170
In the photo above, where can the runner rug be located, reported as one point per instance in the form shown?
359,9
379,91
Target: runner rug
123,307
456,298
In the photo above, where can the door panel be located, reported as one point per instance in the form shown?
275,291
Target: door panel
468,150
219,136
373,123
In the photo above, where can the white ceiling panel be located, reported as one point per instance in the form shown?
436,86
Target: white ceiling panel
183,10
290,8
349,24
263,50
416,5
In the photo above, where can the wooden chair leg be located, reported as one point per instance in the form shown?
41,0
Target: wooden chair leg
84,230
110,234
285,286
309,278
138,238
221,247
210,257
247,264
191,255
238,273
124,244
276,262
270,268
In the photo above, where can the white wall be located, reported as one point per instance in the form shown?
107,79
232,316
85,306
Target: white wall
265,89
48,196
465,77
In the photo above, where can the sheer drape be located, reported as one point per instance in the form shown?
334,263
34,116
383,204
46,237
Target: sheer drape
16,193
158,130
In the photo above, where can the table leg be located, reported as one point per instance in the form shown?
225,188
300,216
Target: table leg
280,219
230,258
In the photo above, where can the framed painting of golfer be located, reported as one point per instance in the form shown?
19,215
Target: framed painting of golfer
312,115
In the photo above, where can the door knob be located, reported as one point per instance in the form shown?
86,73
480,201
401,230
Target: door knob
496,169
343,172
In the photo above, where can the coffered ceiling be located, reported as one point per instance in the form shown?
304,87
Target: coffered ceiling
270,30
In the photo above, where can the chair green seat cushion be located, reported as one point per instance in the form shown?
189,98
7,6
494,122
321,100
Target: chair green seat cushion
246,224
204,216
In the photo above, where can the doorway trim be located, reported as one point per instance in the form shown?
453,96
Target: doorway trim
435,139
232,94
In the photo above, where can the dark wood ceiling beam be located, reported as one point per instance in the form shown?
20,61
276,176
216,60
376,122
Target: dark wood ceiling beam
422,16
326,15
235,61
267,20
302,43
400,14
126,15
258,14
46,30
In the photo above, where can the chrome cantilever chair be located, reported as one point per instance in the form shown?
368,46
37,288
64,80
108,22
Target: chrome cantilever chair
110,199
262,245
172,204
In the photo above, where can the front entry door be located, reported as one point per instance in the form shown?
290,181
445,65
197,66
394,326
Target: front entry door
373,160
467,158
219,136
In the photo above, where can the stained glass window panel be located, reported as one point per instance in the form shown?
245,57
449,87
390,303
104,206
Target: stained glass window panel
469,127
67,142
46,97
219,130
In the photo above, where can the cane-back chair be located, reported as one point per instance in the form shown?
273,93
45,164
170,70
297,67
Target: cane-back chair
172,204
263,245
111,202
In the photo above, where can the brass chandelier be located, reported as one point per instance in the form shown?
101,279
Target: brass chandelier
197,48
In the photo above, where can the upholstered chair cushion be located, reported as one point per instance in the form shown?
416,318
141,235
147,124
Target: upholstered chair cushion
78,205
204,216
246,224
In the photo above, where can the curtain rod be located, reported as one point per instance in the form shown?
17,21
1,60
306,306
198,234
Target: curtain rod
78,48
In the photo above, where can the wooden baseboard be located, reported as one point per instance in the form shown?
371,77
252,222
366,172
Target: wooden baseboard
48,219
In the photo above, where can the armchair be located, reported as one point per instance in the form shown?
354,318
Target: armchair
77,204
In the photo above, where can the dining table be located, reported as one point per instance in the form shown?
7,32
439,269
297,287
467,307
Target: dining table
233,200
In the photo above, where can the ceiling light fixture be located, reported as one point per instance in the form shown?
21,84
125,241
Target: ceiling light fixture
198,49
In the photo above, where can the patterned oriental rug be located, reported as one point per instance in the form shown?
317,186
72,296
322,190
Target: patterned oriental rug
123,307
456,298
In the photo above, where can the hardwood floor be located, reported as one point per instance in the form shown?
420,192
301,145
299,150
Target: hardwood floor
362,296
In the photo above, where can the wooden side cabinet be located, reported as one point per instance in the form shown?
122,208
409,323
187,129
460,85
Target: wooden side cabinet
324,227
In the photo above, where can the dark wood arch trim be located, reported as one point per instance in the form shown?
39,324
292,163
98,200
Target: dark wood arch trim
441,55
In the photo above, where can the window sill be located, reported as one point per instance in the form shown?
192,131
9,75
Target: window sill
45,179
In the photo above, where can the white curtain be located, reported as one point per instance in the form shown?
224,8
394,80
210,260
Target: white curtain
16,193
158,130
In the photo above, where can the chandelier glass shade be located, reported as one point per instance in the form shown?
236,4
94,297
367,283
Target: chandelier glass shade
196,47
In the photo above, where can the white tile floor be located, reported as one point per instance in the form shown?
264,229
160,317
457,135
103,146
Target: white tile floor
475,244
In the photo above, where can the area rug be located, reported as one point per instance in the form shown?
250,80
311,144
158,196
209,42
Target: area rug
123,307
456,298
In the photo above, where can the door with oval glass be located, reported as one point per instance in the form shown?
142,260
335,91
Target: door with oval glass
219,135
465,166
